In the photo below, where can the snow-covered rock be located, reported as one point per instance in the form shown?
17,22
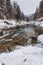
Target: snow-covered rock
39,22
40,41
40,19
7,23
12,23
40,38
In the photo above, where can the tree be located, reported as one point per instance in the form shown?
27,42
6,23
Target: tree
18,13
27,19
41,9
22,16
1,9
5,9
1,2
8,11
36,14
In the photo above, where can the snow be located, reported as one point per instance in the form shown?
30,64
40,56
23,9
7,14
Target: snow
3,36
40,41
40,38
4,25
39,22
11,23
23,56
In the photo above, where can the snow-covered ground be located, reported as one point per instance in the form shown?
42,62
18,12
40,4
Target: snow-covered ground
37,23
13,23
3,24
28,55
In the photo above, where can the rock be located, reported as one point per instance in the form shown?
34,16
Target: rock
24,60
34,40
39,30
20,39
6,45
40,39
2,63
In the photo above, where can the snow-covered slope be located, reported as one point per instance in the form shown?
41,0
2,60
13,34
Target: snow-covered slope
28,55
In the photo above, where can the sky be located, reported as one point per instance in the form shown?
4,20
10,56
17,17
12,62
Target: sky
27,6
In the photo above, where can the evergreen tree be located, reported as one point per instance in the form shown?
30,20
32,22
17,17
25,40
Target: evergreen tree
8,9
5,9
36,14
27,19
22,16
17,12
1,9
41,9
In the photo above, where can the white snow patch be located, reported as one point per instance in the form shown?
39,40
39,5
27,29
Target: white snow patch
11,23
23,56
40,38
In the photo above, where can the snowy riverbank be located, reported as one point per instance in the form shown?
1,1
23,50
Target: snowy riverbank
23,56
12,23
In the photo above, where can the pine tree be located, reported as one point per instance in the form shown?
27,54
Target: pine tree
27,19
10,12
5,9
36,14
8,9
22,16
17,11
1,9
41,9
1,2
